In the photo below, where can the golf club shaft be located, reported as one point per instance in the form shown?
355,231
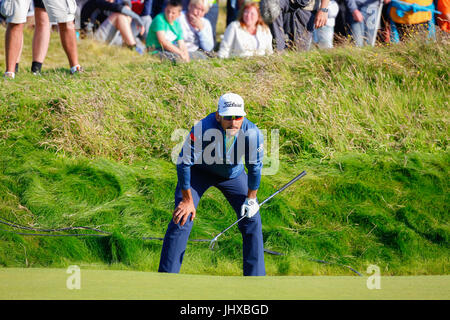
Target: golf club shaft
267,199
283,187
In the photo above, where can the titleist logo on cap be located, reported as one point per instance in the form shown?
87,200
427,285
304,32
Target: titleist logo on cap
232,104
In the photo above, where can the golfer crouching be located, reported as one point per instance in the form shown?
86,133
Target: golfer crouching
212,155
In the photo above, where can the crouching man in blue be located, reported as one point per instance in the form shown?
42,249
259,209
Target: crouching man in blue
212,156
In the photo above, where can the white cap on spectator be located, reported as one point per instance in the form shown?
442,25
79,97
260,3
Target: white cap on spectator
231,104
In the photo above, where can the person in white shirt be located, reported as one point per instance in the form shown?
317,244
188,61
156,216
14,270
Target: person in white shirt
197,31
248,36
323,36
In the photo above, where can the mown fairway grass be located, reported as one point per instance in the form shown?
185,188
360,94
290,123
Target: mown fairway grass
50,283
370,127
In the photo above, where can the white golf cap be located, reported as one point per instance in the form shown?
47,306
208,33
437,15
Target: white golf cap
231,104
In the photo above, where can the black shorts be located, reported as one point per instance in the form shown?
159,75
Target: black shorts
39,4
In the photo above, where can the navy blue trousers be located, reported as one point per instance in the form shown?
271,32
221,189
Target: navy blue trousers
235,191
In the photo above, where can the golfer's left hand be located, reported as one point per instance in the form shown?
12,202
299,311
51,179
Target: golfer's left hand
183,210
249,208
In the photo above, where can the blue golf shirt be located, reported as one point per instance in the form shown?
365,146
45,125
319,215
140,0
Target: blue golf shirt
208,148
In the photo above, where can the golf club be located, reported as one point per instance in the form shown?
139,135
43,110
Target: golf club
214,240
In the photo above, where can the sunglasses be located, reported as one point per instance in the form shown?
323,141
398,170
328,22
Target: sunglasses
229,118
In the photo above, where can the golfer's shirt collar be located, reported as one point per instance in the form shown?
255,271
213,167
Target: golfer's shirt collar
227,150
207,147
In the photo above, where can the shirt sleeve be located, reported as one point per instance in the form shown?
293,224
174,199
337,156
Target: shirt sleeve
254,157
158,23
269,48
227,42
180,34
205,36
351,5
191,151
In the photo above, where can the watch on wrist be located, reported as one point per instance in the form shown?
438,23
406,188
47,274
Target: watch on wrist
324,10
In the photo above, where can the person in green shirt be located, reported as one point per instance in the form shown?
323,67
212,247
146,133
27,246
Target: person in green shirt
165,35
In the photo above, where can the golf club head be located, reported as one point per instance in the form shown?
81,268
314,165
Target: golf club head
213,243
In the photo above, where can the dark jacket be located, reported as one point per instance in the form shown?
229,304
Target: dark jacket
97,10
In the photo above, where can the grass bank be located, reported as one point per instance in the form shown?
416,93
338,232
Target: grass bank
370,126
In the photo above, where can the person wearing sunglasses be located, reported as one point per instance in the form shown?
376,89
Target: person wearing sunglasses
212,156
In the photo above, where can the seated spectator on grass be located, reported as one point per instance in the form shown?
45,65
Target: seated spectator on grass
144,9
197,31
247,36
165,36
111,22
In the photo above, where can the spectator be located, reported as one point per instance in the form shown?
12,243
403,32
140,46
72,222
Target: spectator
294,27
341,27
212,15
115,23
443,19
197,31
144,9
233,7
159,5
270,10
41,36
385,29
247,36
63,14
165,36
362,16
323,36
80,5
406,20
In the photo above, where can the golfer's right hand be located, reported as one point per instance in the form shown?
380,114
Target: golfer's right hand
182,212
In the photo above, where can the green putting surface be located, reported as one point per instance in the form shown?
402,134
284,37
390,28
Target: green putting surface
36,283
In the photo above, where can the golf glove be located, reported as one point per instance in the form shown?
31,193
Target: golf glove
249,208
